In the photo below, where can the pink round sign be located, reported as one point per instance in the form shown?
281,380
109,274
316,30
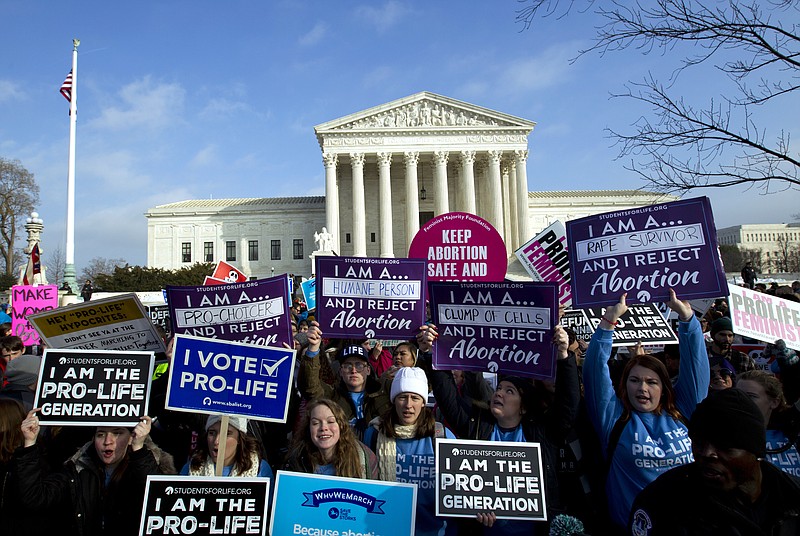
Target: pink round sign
460,247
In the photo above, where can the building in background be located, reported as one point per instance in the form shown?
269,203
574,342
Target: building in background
388,170
775,246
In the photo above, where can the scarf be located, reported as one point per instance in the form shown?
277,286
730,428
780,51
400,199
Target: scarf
208,467
386,449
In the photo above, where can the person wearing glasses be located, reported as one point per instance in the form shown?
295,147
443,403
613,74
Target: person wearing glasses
359,394
722,374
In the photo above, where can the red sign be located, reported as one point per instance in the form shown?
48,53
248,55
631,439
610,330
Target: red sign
460,247
228,273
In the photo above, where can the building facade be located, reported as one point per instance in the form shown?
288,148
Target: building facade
388,170
776,246
261,236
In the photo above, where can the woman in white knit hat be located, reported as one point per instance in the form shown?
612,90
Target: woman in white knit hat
242,452
403,441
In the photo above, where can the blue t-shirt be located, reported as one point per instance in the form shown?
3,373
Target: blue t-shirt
327,469
509,527
416,464
358,402
787,461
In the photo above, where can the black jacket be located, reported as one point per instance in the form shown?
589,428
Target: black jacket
15,515
549,431
79,490
678,504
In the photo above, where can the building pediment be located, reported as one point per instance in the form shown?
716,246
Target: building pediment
424,111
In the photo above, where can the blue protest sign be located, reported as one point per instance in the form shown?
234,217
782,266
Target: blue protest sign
317,504
495,327
250,312
309,288
213,376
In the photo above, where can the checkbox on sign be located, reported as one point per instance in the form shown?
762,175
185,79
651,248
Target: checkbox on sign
269,368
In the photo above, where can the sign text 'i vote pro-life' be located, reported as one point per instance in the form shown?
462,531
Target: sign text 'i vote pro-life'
215,376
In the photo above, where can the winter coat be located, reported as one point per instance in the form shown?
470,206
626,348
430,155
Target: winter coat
376,399
679,504
79,489
479,423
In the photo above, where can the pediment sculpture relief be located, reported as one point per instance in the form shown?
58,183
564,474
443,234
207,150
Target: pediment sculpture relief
422,113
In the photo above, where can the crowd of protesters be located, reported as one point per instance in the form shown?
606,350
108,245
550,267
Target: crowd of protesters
722,435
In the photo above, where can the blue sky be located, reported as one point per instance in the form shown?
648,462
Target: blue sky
181,100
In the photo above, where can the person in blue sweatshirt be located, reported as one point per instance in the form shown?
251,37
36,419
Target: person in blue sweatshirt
642,424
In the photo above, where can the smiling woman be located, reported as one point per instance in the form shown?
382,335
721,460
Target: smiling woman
325,444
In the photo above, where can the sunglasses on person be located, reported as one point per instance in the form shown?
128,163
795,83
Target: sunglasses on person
349,367
722,373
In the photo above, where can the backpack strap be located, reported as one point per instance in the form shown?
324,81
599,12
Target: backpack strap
439,430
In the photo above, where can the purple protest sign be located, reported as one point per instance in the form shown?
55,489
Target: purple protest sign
253,312
495,327
460,247
362,297
646,251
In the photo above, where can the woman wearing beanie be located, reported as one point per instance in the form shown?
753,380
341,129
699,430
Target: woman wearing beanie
642,426
242,456
783,421
325,444
510,418
403,438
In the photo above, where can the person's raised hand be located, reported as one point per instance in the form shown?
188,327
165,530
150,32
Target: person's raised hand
427,334
314,336
30,427
681,308
561,341
614,312
141,432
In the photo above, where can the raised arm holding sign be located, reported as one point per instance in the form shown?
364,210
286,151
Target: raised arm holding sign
124,454
510,416
652,414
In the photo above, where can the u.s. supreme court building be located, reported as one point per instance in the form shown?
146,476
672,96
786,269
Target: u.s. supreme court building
388,170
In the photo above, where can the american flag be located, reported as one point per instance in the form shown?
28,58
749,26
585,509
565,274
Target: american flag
34,265
66,87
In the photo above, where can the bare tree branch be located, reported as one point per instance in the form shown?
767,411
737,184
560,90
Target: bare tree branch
680,147
19,194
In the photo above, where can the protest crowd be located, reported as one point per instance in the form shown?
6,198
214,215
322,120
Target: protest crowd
693,436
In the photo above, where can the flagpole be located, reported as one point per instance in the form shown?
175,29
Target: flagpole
69,268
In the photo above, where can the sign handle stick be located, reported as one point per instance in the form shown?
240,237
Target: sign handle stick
223,440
